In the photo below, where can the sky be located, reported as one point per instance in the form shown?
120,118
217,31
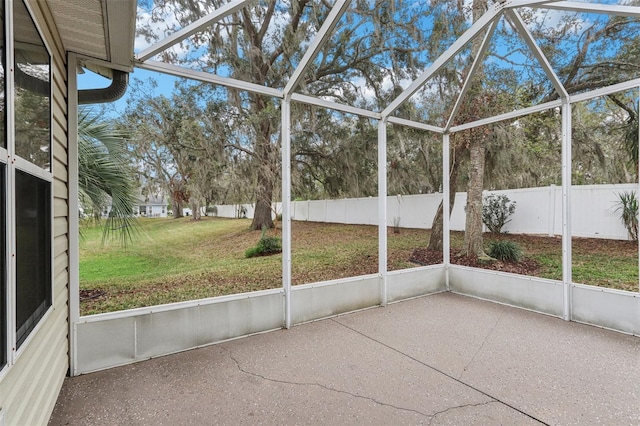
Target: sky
90,80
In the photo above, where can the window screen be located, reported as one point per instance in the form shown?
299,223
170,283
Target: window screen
33,252
32,91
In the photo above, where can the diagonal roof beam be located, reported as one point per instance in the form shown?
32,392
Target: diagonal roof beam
609,9
191,29
312,100
206,77
477,61
523,3
508,115
415,125
323,35
443,59
522,29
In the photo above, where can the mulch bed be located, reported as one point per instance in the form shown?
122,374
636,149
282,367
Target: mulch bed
424,257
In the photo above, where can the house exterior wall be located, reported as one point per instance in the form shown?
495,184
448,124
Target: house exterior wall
29,388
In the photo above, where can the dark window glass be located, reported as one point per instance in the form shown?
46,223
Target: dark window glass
33,252
32,91
3,268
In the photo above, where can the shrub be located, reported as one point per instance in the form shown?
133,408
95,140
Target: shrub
496,210
505,250
266,246
628,208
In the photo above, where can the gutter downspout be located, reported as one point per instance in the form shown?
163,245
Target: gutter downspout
111,93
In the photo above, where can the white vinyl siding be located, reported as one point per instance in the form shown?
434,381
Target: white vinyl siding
29,388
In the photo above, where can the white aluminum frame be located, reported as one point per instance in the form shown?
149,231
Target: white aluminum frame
477,61
11,212
74,206
488,23
566,209
286,208
609,9
382,209
186,32
446,213
18,163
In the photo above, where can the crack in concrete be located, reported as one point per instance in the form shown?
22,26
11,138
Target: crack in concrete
492,398
328,388
479,404
484,341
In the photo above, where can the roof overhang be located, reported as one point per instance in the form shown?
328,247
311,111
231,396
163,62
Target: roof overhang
101,32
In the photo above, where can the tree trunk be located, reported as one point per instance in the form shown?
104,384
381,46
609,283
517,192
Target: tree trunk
264,189
194,204
176,208
473,241
266,170
262,213
435,240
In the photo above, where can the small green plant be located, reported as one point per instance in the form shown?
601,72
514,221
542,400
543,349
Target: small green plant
628,208
266,245
496,210
507,251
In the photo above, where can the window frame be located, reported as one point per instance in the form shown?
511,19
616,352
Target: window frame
14,163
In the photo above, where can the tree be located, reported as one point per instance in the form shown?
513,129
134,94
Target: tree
261,44
162,155
605,53
105,175
472,141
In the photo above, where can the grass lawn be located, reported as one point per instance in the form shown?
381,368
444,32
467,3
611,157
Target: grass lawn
178,259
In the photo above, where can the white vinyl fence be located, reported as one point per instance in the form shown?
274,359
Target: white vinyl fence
538,210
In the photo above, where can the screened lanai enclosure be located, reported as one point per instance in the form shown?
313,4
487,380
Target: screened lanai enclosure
451,75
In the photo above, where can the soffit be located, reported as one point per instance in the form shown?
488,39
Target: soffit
100,29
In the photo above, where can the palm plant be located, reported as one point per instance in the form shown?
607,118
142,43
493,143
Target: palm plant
628,207
105,175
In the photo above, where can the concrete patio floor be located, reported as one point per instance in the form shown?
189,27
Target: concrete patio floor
440,359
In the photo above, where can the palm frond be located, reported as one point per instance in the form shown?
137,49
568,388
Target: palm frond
105,174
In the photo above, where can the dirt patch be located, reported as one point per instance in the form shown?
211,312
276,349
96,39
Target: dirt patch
424,257
91,294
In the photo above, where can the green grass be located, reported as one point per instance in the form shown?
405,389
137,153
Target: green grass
178,259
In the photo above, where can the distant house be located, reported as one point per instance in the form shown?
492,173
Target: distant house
151,207
154,206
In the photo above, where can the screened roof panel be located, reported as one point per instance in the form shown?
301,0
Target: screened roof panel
377,49
261,44
433,103
511,77
380,53
588,50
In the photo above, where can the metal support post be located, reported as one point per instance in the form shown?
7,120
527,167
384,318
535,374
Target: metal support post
446,238
566,209
286,208
382,209
74,226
